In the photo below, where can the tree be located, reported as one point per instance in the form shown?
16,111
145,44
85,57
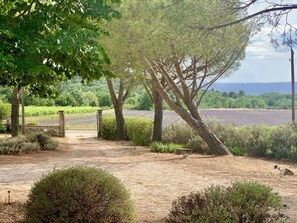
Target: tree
118,98
188,60
44,42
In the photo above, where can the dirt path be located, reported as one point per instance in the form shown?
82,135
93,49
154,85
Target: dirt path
154,180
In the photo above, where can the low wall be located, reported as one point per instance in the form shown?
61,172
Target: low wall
52,130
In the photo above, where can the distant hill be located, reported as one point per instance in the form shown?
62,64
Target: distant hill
255,88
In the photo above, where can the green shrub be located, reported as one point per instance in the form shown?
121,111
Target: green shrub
109,128
197,145
4,111
180,134
241,202
283,143
237,151
138,130
257,140
27,143
79,194
158,147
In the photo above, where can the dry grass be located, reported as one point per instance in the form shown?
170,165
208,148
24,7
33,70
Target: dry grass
12,213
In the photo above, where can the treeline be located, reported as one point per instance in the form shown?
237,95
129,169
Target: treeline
214,99
74,93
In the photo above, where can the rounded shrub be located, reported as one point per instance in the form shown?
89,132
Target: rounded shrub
241,202
79,194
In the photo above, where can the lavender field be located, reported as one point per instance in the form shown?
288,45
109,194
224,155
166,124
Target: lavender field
237,117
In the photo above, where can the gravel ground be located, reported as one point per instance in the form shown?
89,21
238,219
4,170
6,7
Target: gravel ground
154,180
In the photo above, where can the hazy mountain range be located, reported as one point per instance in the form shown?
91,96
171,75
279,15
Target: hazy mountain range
255,88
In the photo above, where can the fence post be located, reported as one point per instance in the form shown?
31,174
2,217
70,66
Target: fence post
61,123
99,122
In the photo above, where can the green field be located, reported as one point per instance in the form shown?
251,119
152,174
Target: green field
54,110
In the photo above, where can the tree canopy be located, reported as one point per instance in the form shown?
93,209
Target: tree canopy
46,41
160,43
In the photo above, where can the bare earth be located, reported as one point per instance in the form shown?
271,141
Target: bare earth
154,180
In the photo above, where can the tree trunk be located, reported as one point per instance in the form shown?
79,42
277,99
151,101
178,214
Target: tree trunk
15,112
214,144
120,123
118,110
158,118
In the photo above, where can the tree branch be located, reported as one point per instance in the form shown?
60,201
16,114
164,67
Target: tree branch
264,11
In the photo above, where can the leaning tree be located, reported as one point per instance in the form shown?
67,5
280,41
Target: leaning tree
183,62
44,42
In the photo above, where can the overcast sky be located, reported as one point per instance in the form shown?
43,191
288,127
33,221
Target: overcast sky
264,62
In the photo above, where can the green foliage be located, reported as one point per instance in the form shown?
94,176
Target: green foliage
138,130
284,143
37,36
108,127
43,111
179,134
104,100
237,151
197,145
278,142
27,143
5,110
241,202
158,147
257,139
79,194
145,102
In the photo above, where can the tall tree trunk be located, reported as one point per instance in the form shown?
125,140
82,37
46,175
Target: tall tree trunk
120,123
158,118
118,109
15,105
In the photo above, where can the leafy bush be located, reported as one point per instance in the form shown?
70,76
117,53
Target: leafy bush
138,130
257,140
109,128
27,143
145,102
278,142
4,111
241,202
284,143
180,134
4,114
79,194
197,145
158,147
237,151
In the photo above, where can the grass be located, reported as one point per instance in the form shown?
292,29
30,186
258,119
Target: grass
54,110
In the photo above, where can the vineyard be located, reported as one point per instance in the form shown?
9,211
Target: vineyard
44,110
